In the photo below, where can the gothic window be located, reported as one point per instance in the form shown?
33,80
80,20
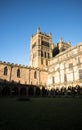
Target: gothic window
5,70
18,73
41,53
34,45
80,74
65,78
45,54
48,55
35,75
38,41
45,44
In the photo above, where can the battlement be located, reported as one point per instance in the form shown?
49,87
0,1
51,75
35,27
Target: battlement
44,34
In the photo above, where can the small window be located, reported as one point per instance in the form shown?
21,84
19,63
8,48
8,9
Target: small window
35,75
48,55
18,73
45,54
34,45
38,41
41,53
5,71
65,78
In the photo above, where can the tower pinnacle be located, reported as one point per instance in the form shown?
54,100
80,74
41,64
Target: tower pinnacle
38,30
61,40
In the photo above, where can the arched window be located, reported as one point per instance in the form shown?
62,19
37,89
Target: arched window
5,70
18,73
41,53
65,78
35,75
45,54
48,55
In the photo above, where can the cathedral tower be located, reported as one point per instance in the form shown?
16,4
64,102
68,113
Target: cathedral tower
40,49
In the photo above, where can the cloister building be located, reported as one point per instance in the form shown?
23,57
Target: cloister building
51,65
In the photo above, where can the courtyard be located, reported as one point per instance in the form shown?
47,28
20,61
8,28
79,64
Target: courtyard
41,113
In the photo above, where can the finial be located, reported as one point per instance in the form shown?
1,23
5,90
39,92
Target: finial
38,30
61,40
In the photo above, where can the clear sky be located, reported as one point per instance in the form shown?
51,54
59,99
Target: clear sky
19,19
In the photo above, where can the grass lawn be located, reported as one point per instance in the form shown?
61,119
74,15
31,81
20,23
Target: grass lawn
41,114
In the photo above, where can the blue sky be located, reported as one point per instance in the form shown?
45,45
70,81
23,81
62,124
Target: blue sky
19,19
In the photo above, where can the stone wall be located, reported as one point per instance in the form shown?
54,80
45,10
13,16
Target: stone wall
64,68
26,74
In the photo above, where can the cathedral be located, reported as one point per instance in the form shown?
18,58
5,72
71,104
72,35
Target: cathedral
51,65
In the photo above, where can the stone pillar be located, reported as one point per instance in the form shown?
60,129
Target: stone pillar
34,91
27,89
11,72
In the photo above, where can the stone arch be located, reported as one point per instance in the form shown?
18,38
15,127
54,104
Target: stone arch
69,90
23,91
18,73
44,91
6,91
37,91
35,74
31,91
78,86
5,70
15,91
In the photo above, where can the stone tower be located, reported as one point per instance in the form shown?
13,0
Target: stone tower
40,49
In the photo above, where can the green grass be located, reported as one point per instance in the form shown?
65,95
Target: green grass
41,114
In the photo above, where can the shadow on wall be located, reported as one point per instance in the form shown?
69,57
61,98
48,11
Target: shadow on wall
16,89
